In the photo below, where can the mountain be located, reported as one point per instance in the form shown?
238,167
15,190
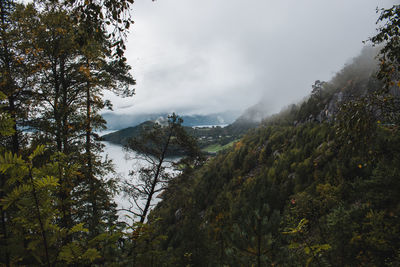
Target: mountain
209,135
121,121
315,185
120,137
210,139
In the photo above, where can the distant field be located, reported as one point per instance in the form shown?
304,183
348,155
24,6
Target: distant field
217,147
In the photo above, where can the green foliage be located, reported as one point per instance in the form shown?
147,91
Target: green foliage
217,147
33,204
316,185
388,36
210,140
6,122
318,190
154,146
36,211
47,206
301,242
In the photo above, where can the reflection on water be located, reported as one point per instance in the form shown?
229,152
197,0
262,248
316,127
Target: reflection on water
123,164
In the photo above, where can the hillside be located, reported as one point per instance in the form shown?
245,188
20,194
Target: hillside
314,185
121,121
121,136
210,139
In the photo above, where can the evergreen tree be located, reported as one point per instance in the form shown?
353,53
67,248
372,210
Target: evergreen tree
62,79
153,147
6,129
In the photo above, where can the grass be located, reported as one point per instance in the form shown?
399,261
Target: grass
215,148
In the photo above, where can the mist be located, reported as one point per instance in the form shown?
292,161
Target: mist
203,57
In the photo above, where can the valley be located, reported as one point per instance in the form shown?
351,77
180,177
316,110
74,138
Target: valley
210,139
286,151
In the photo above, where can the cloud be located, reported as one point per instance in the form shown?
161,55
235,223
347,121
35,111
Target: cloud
214,55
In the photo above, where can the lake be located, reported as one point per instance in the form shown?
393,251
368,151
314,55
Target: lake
123,166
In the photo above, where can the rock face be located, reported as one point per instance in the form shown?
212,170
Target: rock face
353,81
178,214
328,113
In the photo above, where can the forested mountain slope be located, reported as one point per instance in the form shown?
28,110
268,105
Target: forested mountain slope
317,185
121,121
206,136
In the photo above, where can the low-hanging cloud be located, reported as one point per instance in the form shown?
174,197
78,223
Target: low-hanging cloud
210,56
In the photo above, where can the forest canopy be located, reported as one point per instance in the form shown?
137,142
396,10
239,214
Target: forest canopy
316,185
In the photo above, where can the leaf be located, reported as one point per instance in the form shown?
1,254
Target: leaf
91,254
48,181
34,244
70,253
37,152
298,229
308,261
294,245
10,160
78,228
15,195
324,247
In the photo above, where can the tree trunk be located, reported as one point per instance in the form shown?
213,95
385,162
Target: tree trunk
14,137
4,229
89,164
155,180
39,217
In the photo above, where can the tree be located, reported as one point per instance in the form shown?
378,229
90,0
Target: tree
154,147
99,15
6,129
388,36
14,81
68,97
99,75
15,70
37,237
55,62
255,221
6,123
62,80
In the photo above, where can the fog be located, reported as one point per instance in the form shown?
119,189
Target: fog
201,57
122,167
123,164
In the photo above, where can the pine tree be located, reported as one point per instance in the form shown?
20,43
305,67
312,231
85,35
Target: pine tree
6,129
54,68
13,70
154,146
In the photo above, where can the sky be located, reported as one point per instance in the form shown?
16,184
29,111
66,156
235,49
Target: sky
209,56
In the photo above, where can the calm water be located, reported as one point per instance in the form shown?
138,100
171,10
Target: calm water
123,164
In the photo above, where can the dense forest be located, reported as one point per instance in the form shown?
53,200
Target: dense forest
209,139
315,185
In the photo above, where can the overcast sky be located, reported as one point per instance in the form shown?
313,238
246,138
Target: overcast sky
207,56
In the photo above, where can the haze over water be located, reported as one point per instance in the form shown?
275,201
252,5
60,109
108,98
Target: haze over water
123,165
